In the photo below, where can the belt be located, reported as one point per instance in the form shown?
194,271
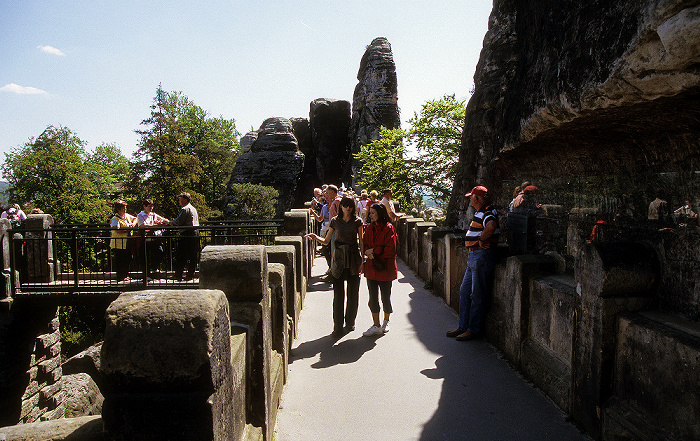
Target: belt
473,248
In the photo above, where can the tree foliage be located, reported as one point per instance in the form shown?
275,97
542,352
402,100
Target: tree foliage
251,201
183,149
384,165
54,172
436,133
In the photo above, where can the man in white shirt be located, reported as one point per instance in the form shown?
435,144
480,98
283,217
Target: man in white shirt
389,204
154,248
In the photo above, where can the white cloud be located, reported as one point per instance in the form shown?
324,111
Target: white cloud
51,50
21,90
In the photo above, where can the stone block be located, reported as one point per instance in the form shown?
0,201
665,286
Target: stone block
610,279
507,319
239,381
280,334
240,271
552,315
301,262
285,254
166,362
296,222
230,268
87,428
424,265
657,373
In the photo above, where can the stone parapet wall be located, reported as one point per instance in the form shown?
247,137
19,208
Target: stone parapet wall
592,340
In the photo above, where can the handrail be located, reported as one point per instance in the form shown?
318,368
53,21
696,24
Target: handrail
76,258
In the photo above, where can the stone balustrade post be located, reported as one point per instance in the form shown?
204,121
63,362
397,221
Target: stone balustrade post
241,272
302,262
610,279
39,252
297,222
5,279
284,254
166,362
423,264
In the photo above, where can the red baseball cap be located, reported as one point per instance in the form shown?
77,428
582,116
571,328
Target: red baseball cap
479,190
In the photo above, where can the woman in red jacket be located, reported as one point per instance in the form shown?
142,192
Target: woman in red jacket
380,242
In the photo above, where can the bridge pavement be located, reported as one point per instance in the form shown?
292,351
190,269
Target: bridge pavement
410,384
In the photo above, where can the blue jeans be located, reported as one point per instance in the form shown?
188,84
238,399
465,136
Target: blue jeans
475,290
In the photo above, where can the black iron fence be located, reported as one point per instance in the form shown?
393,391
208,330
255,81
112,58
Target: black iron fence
82,258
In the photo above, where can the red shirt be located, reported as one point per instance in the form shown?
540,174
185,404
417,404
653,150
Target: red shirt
383,239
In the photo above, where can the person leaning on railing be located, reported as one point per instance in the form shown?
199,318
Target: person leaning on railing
121,223
150,239
188,249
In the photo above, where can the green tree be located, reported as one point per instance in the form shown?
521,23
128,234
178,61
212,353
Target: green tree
384,165
251,201
52,172
436,133
436,136
110,169
182,149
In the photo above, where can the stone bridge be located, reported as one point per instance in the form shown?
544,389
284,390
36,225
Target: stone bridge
211,363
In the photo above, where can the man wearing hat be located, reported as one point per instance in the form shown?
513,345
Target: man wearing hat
480,241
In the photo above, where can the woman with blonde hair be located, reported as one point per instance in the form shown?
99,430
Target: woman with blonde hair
121,223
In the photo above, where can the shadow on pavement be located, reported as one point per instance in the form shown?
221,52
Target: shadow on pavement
482,397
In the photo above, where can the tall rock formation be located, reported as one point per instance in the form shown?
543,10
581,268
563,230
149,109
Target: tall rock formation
330,124
582,87
271,157
375,101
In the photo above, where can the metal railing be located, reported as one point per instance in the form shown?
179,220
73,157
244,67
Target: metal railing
78,258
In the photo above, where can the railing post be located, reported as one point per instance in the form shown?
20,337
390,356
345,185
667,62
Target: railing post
74,249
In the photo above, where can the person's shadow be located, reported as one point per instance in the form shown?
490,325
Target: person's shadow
345,352
331,354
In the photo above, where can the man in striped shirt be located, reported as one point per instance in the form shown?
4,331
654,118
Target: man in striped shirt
480,241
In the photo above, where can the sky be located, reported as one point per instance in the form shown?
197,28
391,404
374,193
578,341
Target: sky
94,66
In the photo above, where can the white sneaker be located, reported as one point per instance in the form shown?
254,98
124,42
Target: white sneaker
385,326
373,330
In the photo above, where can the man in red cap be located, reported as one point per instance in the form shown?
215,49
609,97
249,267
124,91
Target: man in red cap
480,241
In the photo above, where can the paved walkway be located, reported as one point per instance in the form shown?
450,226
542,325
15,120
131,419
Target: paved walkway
410,384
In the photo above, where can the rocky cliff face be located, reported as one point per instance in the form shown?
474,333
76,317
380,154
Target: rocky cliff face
271,157
330,124
572,87
375,101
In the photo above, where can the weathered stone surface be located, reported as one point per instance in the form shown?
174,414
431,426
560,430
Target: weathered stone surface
87,428
308,180
273,160
645,389
166,360
81,395
284,254
375,101
330,125
241,272
584,88
87,361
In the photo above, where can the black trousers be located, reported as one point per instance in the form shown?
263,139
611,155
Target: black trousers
374,286
340,311
122,262
187,255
